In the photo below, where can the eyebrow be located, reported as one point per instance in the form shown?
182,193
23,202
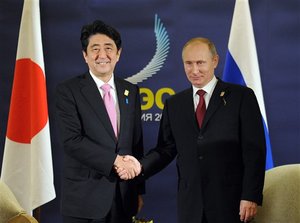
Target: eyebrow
108,44
105,44
194,61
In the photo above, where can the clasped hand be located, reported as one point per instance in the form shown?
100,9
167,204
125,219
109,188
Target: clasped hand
127,167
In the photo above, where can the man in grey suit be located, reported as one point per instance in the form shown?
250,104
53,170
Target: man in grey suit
94,143
220,160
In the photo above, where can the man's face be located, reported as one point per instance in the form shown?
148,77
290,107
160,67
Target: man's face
199,64
101,56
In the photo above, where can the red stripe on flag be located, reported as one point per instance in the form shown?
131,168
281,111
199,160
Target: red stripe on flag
28,107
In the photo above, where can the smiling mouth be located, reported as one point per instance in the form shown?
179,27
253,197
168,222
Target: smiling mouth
196,78
102,62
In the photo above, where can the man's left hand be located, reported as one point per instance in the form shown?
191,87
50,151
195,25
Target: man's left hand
248,210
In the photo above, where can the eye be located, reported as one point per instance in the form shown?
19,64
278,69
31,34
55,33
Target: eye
201,62
95,49
108,49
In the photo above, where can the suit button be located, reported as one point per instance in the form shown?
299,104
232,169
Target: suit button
200,157
200,137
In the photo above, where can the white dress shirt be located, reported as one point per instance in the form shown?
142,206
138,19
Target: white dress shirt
209,89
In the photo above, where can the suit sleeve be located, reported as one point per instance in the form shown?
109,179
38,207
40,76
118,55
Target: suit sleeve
165,151
76,144
138,146
254,148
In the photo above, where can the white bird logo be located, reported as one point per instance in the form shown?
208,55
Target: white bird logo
161,53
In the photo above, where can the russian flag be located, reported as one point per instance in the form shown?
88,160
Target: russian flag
241,65
27,160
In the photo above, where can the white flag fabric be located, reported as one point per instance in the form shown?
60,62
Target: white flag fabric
27,160
241,65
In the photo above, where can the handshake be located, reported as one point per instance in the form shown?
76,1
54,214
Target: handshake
127,167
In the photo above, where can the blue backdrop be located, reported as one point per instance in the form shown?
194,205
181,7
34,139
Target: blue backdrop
276,28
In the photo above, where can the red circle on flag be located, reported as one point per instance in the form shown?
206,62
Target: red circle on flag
28,113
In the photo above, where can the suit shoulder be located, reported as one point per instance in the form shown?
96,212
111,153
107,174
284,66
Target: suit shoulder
237,87
126,84
182,95
72,80
71,85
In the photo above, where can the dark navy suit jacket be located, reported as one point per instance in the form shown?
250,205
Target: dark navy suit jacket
90,146
219,164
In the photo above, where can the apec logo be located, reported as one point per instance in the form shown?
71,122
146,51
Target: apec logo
149,98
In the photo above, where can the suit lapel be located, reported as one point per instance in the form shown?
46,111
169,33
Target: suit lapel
188,109
93,97
122,103
217,99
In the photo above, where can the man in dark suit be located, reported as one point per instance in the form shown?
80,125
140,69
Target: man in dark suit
221,160
93,141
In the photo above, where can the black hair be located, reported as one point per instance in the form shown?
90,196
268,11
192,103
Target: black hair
99,27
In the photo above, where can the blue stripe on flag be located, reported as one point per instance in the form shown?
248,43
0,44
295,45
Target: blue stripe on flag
233,74
269,160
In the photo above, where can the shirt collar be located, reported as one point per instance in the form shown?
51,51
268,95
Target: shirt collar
99,82
208,88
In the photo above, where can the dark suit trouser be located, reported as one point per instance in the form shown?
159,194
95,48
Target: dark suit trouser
204,220
115,215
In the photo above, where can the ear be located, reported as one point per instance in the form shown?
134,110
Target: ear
216,60
119,53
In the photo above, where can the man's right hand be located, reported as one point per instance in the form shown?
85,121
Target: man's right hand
127,167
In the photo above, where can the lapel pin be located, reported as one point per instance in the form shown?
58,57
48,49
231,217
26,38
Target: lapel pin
222,96
126,93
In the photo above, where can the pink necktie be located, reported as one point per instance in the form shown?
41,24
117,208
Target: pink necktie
110,106
201,108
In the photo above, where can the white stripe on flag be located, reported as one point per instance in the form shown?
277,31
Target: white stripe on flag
241,65
27,160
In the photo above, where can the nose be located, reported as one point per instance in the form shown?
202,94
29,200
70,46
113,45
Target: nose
194,68
101,54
